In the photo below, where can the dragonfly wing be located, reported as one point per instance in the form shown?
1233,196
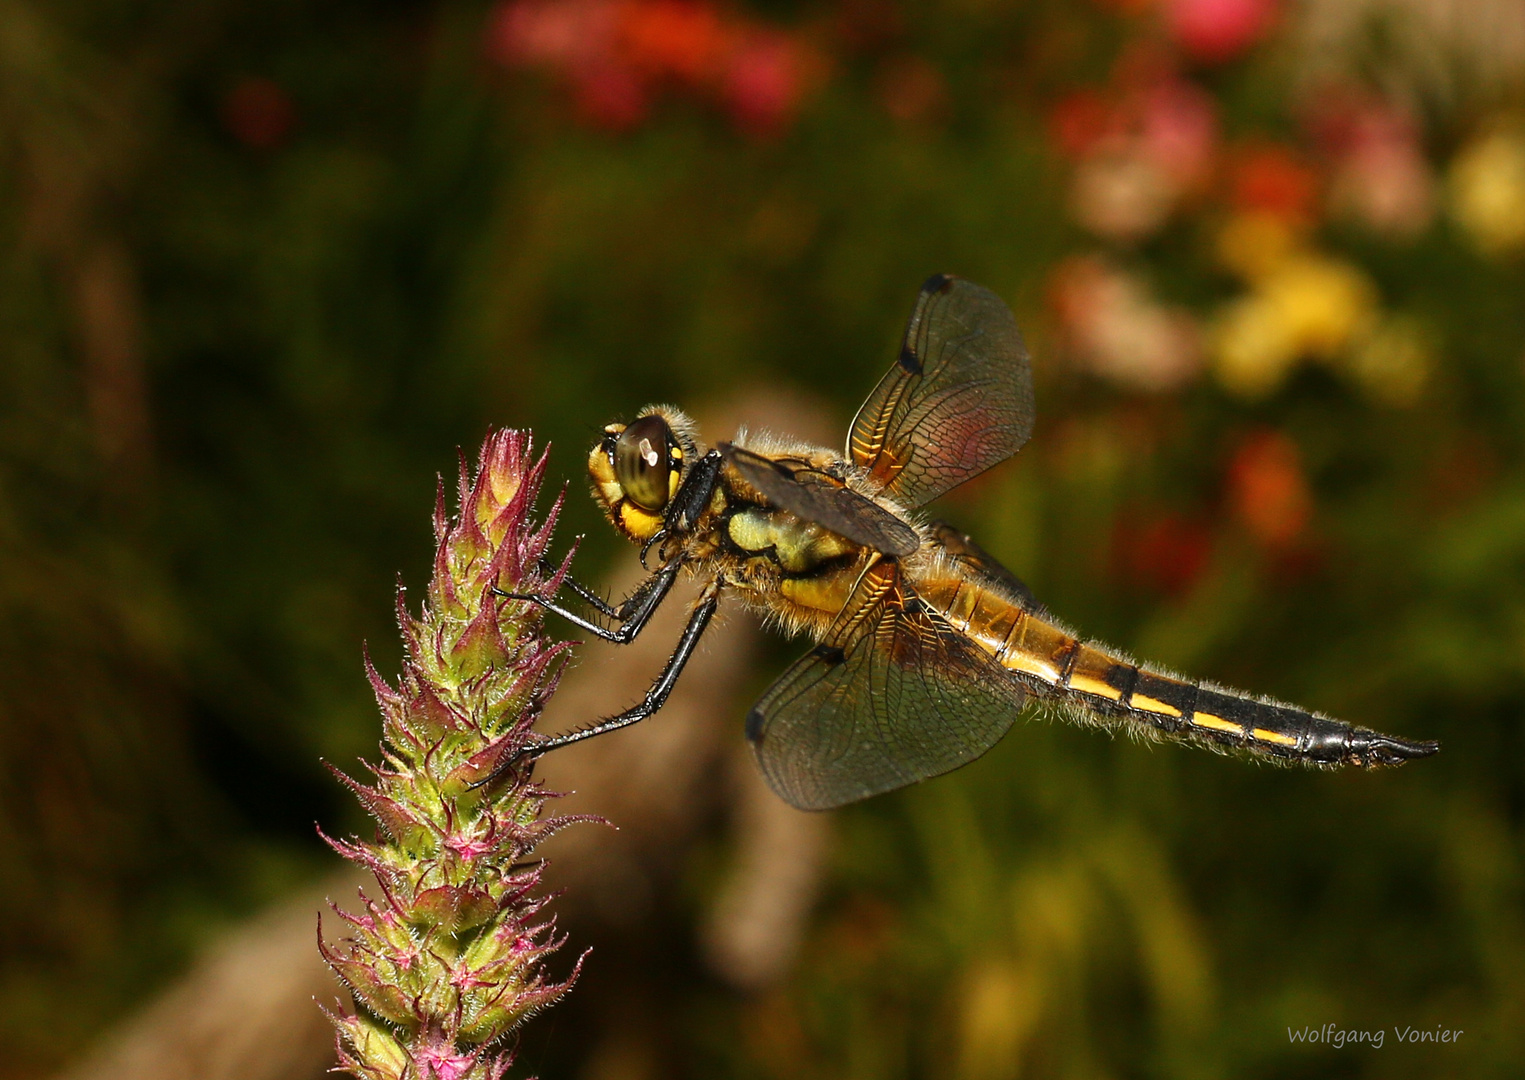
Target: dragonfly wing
825,500
894,695
958,400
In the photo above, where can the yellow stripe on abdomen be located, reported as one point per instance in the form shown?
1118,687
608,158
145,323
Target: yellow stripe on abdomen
1215,723
1037,648
1101,675
1030,646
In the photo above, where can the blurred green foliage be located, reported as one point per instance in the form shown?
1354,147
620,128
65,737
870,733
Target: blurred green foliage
265,265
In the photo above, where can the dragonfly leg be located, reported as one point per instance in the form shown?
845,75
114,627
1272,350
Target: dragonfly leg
592,597
657,695
632,613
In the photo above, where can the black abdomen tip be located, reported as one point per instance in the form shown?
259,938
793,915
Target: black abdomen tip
1371,748
1405,750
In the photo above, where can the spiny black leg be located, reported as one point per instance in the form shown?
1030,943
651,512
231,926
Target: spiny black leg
634,612
691,500
655,697
592,598
695,494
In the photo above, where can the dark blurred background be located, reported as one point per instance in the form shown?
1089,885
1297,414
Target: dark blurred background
265,265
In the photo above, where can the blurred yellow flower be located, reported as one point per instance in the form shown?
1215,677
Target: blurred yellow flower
1254,243
1392,363
1000,1007
1253,348
1325,301
1487,190
1301,305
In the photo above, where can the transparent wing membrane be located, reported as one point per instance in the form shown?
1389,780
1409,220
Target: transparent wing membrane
958,400
894,695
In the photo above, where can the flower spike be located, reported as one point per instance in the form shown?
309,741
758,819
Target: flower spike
447,962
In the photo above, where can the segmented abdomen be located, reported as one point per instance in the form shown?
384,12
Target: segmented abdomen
1056,664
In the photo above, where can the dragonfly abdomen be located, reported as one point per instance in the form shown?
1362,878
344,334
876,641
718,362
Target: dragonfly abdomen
1056,664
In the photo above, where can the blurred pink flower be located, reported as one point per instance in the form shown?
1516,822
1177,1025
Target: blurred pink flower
765,80
1219,30
1178,128
1170,120
1116,329
1139,150
581,41
1380,174
565,34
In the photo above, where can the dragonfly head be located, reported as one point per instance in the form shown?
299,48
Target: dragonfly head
637,468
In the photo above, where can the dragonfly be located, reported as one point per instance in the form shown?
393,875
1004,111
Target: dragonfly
926,648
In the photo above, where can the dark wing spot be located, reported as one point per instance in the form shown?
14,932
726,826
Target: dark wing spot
754,725
937,283
908,359
831,654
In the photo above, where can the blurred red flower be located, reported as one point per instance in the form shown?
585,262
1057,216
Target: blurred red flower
1274,179
258,113
1165,553
1219,30
618,54
674,38
1079,121
611,96
1267,490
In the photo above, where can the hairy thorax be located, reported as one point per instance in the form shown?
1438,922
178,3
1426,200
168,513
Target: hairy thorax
793,571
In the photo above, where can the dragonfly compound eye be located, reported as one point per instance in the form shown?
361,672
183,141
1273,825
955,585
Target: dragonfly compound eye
643,462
